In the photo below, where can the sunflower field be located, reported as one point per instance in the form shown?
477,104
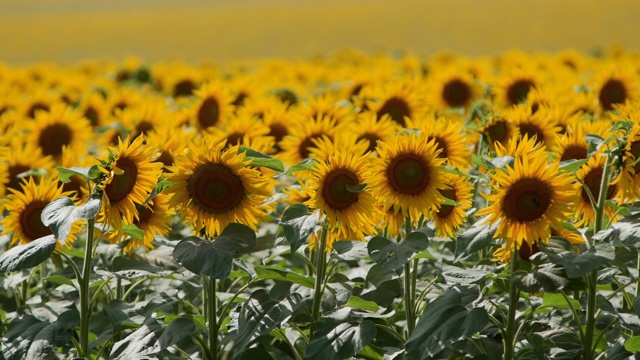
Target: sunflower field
345,206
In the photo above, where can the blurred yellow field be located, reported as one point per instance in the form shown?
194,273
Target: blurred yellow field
70,30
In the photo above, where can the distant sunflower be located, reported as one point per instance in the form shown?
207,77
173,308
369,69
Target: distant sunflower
499,130
326,106
297,145
351,212
94,107
278,119
77,187
408,173
131,177
449,218
213,187
39,99
368,129
590,174
512,89
630,173
170,142
22,158
615,86
449,137
60,127
533,125
154,219
398,100
212,107
528,200
151,115
237,128
573,144
24,208
453,88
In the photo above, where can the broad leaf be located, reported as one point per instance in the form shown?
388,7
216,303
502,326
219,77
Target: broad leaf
262,160
265,272
394,256
456,275
65,174
30,338
444,321
27,256
215,258
298,223
349,250
306,164
343,341
577,265
130,269
621,233
479,236
259,316
60,214
558,301
545,277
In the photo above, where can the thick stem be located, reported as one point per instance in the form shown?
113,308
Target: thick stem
85,309
321,259
409,287
212,317
592,278
514,295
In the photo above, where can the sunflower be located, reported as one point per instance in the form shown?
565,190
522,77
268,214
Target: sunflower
237,128
533,125
152,114
170,142
449,218
399,100
529,199
615,86
453,88
449,137
297,145
120,98
95,109
40,99
573,144
326,106
499,130
393,220
212,106
368,130
154,219
61,127
214,187
352,213
77,187
24,160
590,177
24,208
408,173
131,177
512,89
278,119
630,172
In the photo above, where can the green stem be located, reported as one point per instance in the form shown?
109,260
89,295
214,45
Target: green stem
321,252
409,287
212,317
85,310
592,278
514,295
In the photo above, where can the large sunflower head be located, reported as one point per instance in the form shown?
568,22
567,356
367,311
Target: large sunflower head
60,127
25,207
131,175
408,173
449,218
529,199
336,192
213,187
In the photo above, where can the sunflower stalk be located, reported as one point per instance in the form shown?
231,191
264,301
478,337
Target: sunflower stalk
321,255
514,295
212,315
592,278
85,310
409,287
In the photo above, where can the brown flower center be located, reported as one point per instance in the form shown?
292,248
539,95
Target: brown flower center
14,180
53,138
183,88
527,200
334,189
408,174
30,222
612,92
456,93
278,131
531,129
497,131
122,185
166,159
517,92
593,181
215,188
307,144
209,113
397,108
92,115
575,152
372,138
445,210
36,107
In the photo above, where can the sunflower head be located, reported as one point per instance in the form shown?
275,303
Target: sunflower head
449,217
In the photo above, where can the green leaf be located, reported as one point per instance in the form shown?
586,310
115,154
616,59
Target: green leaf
477,237
30,338
456,275
140,343
481,162
387,286
27,256
298,223
133,231
545,277
65,174
60,280
94,172
578,265
360,303
306,164
595,142
636,305
621,233
343,341
501,162
215,258
60,214
632,344
261,160
572,165
557,301
349,250
177,330
356,188
283,275
445,321
259,316
130,269
393,256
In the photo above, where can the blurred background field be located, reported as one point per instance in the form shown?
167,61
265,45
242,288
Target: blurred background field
194,31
